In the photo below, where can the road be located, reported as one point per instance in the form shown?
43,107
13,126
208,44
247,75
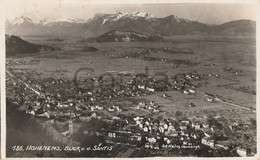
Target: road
229,103
27,85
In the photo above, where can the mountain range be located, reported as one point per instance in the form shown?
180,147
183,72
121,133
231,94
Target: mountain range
140,22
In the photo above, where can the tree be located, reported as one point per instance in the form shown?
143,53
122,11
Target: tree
66,126
253,121
160,142
143,140
30,107
178,114
94,125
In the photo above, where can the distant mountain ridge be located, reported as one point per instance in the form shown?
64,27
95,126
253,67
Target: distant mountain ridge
140,22
235,27
124,36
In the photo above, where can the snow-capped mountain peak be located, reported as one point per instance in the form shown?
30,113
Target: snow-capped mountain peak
137,14
143,14
44,21
179,19
20,20
118,15
101,23
70,20
41,21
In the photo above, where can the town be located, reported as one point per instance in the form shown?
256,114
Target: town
95,107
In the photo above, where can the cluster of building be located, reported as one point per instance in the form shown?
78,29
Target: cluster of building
155,134
174,50
61,93
144,54
152,106
60,99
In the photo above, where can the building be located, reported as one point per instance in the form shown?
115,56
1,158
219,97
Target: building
141,86
222,146
192,91
191,105
94,115
183,127
150,89
210,99
242,152
186,92
208,142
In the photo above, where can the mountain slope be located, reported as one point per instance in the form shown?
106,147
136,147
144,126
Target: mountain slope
124,36
147,24
16,46
235,27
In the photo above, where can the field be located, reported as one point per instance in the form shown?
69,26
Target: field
210,57
223,67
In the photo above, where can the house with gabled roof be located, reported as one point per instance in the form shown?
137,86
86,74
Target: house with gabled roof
208,142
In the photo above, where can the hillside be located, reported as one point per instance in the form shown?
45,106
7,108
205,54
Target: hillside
124,36
18,46
238,27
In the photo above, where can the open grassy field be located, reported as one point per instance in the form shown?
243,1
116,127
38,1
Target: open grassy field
210,57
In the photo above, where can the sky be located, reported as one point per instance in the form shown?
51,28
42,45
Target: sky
210,13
